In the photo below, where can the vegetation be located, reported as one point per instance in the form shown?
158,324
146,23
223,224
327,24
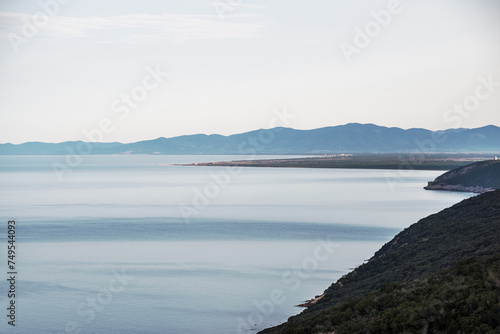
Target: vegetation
399,161
463,299
483,176
440,275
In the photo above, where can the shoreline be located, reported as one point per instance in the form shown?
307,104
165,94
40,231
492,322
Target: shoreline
311,301
458,188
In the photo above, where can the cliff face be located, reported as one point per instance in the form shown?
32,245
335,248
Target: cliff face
417,266
478,177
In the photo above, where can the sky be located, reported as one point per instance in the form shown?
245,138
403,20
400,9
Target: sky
130,70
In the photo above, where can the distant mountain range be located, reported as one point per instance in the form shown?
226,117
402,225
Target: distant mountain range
349,138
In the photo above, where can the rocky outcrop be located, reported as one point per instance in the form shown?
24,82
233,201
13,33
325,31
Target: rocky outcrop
457,187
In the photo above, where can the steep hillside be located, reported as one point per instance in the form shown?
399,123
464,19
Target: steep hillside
411,270
463,299
478,177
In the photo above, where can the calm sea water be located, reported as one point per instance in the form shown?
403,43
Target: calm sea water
131,244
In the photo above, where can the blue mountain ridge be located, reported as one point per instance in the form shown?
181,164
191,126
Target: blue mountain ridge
349,138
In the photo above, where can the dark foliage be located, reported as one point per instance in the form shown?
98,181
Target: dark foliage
485,174
439,275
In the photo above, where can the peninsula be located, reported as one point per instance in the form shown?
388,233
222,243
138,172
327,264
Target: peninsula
479,177
403,161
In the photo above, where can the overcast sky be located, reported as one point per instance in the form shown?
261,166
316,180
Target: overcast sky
76,65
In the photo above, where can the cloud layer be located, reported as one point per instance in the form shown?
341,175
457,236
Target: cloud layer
132,28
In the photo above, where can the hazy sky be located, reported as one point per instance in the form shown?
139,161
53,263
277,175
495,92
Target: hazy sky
70,66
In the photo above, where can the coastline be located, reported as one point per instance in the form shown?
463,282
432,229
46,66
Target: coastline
458,187
417,265
394,161
311,301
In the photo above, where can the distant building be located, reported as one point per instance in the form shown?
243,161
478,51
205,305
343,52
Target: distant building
496,158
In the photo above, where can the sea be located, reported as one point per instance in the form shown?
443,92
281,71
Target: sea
139,244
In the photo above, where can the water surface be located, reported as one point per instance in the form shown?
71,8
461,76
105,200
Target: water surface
126,244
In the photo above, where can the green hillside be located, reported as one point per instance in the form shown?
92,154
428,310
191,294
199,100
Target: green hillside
477,177
438,275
